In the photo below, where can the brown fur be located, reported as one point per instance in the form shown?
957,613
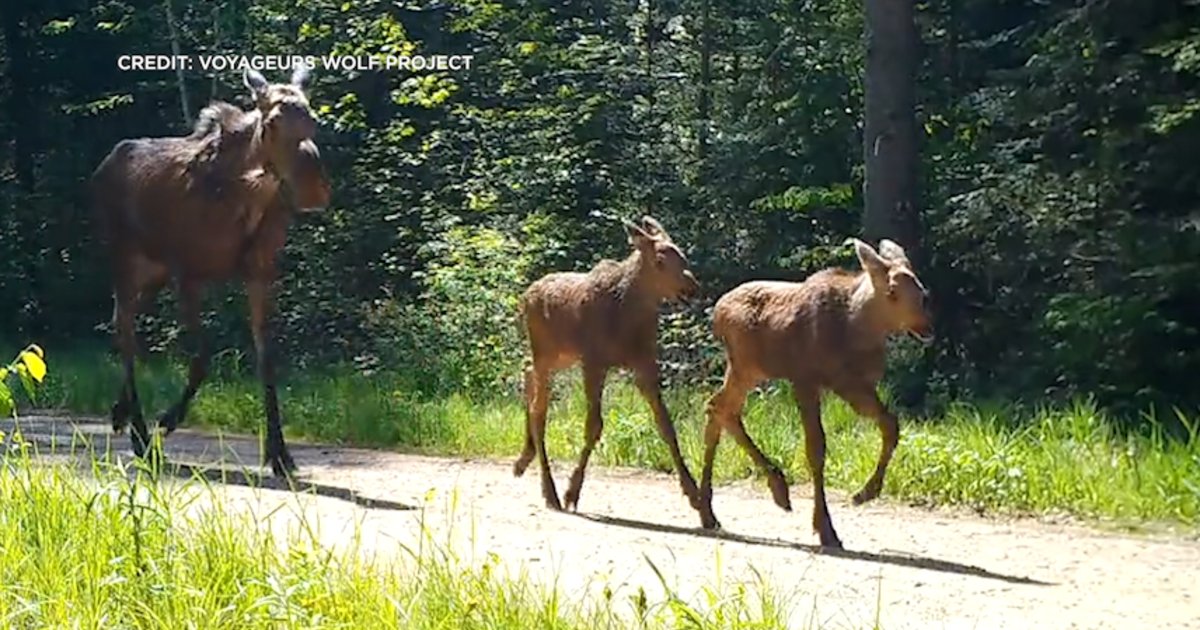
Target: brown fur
199,209
603,319
826,333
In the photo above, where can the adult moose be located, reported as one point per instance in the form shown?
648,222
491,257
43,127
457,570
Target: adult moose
201,209
826,333
601,319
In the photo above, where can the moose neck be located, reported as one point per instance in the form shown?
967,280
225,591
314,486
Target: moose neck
866,309
634,284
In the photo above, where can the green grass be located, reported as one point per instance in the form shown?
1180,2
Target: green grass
1064,460
110,550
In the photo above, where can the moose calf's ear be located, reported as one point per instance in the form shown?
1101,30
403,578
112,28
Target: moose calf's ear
871,261
637,236
256,82
652,226
892,251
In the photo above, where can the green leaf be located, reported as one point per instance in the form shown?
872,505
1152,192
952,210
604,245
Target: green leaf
26,380
7,406
58,27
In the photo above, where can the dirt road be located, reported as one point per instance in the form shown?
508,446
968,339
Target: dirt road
923,569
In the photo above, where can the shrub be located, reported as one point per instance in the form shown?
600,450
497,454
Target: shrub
462,332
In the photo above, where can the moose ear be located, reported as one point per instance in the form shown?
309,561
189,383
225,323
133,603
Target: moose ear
652,226
256,82
871,261
300,74
892,251
637,236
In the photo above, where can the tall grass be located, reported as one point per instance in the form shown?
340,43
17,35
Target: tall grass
115,550
1069,459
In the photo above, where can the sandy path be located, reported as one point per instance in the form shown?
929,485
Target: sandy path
928,569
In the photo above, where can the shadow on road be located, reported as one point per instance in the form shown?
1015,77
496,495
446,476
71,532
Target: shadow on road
916,562
190,455
250,479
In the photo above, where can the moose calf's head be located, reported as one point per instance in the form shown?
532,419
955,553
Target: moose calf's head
900,299
665,267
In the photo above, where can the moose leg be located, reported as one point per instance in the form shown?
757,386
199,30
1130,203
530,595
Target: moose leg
527,453
127,407
775,479
189,313
138,281
120,409
808,399
646,376
593,387
538,402
258,293
727,401
865,402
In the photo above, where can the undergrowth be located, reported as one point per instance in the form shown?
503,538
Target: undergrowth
118,549
1070,459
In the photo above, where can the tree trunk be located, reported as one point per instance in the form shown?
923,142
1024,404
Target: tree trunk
22,114
705,105
651,191
183,95
953,28
648,35
890,150
212,96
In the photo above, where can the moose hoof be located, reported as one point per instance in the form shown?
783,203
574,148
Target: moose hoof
831,542
168,423
571,500
869,493
519,467
119,418
828,535
553,504
283,467
709,522
779,491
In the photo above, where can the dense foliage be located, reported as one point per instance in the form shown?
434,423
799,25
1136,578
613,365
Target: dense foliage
1057,197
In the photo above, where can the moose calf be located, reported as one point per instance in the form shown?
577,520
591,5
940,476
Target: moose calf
605,318
828,332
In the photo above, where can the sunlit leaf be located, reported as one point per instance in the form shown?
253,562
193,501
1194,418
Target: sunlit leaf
33,360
